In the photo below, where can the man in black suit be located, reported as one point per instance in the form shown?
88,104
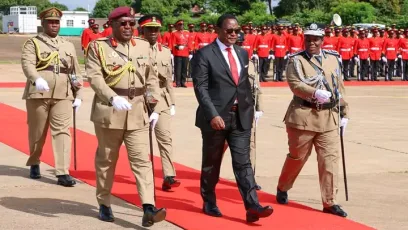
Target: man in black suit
225,113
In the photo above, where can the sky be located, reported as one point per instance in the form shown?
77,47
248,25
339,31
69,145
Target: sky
72,4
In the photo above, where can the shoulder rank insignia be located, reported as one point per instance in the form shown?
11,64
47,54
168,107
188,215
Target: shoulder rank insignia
297,53
332,52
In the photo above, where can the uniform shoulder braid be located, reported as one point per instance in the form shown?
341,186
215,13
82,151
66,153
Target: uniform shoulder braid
331,52
297,53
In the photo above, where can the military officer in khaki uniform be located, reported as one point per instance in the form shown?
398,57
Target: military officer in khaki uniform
312,119
53,88
161,59
118,68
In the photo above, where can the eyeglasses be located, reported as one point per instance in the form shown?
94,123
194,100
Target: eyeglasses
230,31
130,23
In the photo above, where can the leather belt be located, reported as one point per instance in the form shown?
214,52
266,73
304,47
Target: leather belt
52,68
131,92
313,105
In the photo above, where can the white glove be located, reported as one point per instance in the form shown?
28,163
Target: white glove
286,57
120,103
190,56
172,56
258,114
356,59
255,56
172,110
396,59
384,59
41,84
271,57
400,56
343,123
153,119
322,96
77,103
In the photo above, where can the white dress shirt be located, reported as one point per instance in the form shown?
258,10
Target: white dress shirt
224,52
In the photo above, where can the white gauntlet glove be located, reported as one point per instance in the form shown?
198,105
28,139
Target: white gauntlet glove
189,57
271,57
77,103
322,96
343,123
172,110
153,119
41,84
120,103
384,59
255,56
258,114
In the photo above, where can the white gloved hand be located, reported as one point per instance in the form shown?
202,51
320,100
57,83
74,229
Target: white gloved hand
77,103
399,56
356,59
384,59
258,114
271,57
190,56
322,96
343,123
172,110
396,59
153,119
255,56
172,56
41,84
286,57
120,103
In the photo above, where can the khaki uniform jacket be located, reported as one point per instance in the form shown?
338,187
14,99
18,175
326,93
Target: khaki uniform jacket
60,85
305,118
103,52
161,59
252,78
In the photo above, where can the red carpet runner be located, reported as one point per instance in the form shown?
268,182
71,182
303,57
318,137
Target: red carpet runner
184,204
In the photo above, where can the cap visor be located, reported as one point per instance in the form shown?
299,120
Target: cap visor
52,18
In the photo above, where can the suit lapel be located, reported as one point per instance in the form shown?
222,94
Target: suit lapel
241,62
217,51
122,49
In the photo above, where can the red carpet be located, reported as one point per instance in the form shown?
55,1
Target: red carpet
184,204
263,84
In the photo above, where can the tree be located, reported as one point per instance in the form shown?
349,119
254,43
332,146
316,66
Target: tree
80,9
355,12
257,14
40,4
104,7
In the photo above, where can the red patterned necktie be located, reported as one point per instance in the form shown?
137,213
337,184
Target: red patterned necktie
233,66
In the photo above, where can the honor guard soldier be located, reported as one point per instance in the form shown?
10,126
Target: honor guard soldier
329,41
263,52
390,50
280,52
161,58
376,44
312,118
202,38
181,53
361,55
86,32
403,45
345,49
54,86
119,69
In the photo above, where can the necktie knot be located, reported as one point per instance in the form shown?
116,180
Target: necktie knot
228,49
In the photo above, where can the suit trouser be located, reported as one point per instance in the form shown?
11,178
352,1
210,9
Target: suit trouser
364,67
375,69
264,64
405,69
163,137
326,145
180,69
137,146
213,149
279,67
56,114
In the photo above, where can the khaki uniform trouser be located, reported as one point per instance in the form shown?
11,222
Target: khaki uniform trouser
163,137
107,154
326,145
56,114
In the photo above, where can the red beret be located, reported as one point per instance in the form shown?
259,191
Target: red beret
121,11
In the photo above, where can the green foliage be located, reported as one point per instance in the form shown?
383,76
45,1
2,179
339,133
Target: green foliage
257,14
104,7
80,9
309,16
40,4
353,12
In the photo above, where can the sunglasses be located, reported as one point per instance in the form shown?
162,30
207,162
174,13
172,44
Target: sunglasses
230,31
130,23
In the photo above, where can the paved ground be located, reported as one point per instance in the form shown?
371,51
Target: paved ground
375,142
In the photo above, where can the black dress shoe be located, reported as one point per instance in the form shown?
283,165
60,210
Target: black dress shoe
35,172
258,187
281,197
253,214
169,182
184,86
211,210
105,213
153,215
335,210
66,180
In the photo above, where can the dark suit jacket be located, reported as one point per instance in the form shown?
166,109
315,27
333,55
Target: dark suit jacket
215,89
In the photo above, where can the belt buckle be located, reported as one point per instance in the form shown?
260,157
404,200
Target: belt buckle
132,92
318,106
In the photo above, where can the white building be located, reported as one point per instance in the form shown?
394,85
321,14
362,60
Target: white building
22,19
73,22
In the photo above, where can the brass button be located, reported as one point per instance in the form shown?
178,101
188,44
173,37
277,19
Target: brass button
130,59
132,82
